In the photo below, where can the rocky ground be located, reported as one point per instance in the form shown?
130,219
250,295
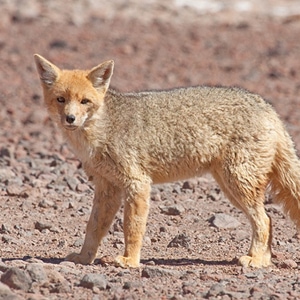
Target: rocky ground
194,235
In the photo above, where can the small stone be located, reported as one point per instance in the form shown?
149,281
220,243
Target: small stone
79,242
214,195
180,240
150,263
105,260
41,226
254,274
216,290
82,187
6,152
3,266
17,279
189,185
72,182
162,229
57,43
288,264
241,235
224,221
16,190
45,203
71,205
173,210
150,272
4,229
127,285
156,197
6,293
94,280
7,239
176,189
37,116
131,285
58,284
147,241
36,272
6,174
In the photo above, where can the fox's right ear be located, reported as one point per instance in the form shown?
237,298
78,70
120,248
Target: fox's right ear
100,76
47,71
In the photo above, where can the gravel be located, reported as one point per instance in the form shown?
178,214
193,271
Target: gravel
194,235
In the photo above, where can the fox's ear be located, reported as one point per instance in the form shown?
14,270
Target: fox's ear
47,71
100,76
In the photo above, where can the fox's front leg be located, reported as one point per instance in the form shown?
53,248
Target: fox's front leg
135,218
107,201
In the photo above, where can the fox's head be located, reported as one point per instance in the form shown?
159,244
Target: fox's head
73,96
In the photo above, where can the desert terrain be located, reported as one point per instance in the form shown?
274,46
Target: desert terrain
194,235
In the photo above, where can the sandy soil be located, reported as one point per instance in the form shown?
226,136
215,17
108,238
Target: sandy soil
45,196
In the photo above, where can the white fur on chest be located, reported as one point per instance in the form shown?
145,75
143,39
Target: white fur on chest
83,148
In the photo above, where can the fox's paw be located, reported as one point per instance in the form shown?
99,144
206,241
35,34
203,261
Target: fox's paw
126,262
255,262
79,258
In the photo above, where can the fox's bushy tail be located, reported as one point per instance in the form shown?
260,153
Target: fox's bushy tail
285,179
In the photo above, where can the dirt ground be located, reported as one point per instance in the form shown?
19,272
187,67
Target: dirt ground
194,235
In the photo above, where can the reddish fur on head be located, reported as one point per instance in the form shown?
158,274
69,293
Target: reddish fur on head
72,97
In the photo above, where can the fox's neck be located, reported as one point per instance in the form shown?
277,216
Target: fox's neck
85,142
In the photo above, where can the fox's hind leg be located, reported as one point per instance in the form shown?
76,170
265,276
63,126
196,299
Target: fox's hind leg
135,218
260,251
249,197
107,201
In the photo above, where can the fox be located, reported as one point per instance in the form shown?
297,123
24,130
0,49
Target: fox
129,141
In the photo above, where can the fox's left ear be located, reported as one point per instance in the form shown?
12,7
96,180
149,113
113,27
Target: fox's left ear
47,71
100,76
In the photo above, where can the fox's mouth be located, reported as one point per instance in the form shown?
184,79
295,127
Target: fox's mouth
70,127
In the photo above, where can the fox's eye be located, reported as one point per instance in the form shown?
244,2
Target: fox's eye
85,101
61,99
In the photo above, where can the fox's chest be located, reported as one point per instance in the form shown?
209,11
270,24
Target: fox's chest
81,146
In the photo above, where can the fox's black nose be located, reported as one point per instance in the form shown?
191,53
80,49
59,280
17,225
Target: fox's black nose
70,119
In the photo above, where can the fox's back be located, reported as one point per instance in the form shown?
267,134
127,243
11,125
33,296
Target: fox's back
186,128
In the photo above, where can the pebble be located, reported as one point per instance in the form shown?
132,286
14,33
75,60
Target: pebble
72,182
42,226
37,272
214,195
17,279
57,282
94,280
7,294
9,239
180,240
16,190
224,221
216,290
172,210
3,266
288,264
241,235
151,272
46,203
6,174
82,187
190,184
156,197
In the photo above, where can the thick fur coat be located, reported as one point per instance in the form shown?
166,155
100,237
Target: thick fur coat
128,141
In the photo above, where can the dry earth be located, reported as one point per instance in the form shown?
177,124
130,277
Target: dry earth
194,234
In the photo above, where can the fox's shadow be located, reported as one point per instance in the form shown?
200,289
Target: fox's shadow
150,261
52,260
187,262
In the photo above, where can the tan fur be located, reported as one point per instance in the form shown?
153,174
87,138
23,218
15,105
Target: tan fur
127,141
